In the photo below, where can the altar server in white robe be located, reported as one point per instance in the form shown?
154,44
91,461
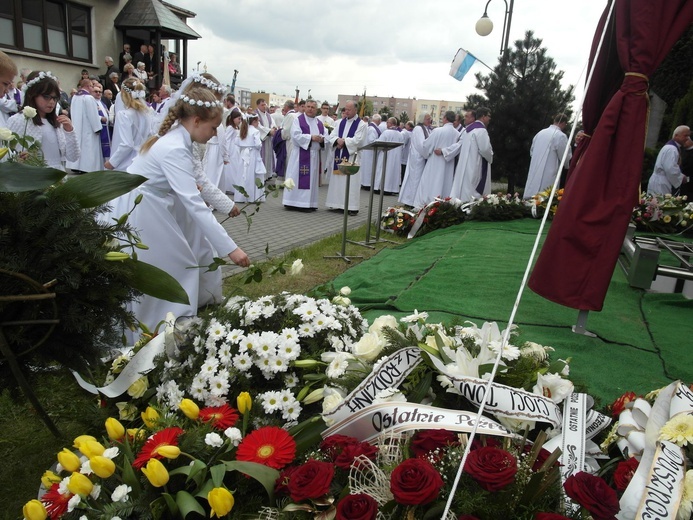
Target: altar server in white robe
667,175
308,135
372,134
393,172
251,168
436,179
232,170
84,113
473,173
547,150
289,115
415,162
347,137
167,163
132,127
327,153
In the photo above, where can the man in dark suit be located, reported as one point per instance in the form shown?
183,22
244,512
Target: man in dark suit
111,83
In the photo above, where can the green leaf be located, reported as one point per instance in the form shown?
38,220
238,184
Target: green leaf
190,471
95,188
171,503
421,389
131,479
188,504
156,282
218,473
17,177
263,474
309,435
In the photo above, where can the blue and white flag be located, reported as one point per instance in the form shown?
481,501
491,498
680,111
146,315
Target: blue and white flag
461,64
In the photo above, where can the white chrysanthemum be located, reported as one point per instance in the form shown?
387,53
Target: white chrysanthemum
336,343
291,411
214,440
266,345
249,342
306,330
225,354
271,401
234,336
234,435
73,503
553,386
120,493
510,352
219,384
288,350
235,302
536,351
331,323
415,317
242,362
286,397
338,365
216,330
289,334
198,393
268,310
252,313
307,310
277,364
291,380
209,367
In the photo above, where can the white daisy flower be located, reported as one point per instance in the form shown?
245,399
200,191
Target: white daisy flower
291,411
307,310
234,336
277,364
289,334
306,330
242,362
290,380
289,350
271,401
219,384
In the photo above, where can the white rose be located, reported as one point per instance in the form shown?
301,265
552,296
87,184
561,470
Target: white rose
333,398
29,112
369,346
289,184
383,321
297,266
139,387
345,291
5,134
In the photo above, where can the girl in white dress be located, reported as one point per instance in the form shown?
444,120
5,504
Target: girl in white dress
55,133
132,126
216,155
171,194
232,170
252,167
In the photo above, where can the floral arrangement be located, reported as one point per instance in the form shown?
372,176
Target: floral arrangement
540,202
397,220
440,213
499,206
663,214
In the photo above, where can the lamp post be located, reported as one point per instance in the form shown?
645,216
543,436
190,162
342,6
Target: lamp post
484,25
198,66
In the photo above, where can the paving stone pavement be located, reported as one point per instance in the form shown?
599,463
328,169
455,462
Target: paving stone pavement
284,230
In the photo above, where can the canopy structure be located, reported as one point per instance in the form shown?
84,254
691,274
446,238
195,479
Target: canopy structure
160,21
581,250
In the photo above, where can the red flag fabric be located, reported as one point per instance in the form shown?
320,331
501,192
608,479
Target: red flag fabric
581,250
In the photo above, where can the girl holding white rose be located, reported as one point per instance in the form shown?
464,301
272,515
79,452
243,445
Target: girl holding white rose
38,119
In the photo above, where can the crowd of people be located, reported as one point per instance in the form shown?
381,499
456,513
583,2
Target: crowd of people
200,152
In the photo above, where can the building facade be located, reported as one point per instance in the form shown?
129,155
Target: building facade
414,108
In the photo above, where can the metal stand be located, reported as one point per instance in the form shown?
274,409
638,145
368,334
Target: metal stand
342,255
580,326
377,146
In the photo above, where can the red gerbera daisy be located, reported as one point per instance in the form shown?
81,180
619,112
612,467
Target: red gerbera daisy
165,437
222,417
55,502
271,446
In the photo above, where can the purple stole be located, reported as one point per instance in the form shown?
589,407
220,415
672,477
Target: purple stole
343,153
18,98
484,163
105,138
373,125
304,155
81,93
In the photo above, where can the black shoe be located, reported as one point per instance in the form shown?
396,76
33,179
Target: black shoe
366,188
353,213
391,193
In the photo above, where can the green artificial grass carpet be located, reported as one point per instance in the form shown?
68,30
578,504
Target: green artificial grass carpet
473,271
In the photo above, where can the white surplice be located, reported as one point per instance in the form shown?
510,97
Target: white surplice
547,151
303,198
436,179
215,156
415,166
667,171
393,173
337,189
84,113
251,167
367,156
475,146
131,129
327,155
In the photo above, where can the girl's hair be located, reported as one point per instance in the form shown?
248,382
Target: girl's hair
133,93
46,86
197,101
245,124
233,115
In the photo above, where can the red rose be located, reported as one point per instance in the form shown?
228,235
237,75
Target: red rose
624,473
593,494
542,456
620,404
426,441
281,485
357,507
415,482
342,450
311,480
492,468
550,516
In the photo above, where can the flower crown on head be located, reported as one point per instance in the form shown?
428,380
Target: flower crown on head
136,94
41,76
200,103
209,83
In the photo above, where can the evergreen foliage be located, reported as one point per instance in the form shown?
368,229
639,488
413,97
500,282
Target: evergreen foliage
524,94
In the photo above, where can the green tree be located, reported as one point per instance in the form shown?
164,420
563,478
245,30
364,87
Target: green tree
386,113
524,93
403,117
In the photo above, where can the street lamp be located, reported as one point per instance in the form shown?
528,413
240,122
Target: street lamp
198,66
484,25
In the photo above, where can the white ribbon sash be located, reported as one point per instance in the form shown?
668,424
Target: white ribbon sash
664,489
368,423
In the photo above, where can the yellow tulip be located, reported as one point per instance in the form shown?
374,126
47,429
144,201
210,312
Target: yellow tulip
69,460
221,501
82,439
244,402
3,152
80,484
168,451
115,429
150,417
136,434
34,510
190,409
49,478
91,448
156,473
102,466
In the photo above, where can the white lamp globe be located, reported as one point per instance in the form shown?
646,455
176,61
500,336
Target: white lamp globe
484,26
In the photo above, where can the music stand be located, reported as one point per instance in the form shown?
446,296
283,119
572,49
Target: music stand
348,170
377,146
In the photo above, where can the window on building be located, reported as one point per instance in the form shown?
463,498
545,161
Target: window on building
51,27
424,107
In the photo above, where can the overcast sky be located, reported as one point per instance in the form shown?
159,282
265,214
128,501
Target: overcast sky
400,48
